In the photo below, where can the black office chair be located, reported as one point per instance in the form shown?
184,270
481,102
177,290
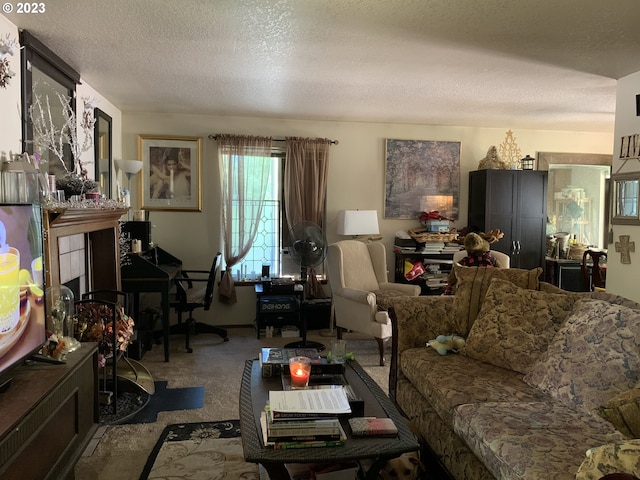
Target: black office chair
594,274
192,294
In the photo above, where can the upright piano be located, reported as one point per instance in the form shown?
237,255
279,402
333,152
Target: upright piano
152,270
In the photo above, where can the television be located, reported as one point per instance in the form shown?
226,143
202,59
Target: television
22,302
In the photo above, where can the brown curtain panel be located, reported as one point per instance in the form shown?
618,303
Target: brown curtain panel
305,189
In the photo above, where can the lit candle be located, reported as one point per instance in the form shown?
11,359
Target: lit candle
300,369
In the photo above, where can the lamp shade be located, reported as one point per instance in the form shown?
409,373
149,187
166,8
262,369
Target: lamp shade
129,166
358,222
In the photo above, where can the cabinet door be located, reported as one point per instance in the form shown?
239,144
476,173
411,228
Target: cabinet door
492,204
531,218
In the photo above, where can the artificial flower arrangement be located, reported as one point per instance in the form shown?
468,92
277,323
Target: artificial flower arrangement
94,324
432,215
46,136
6,48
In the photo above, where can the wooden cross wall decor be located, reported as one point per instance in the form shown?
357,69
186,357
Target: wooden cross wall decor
624,247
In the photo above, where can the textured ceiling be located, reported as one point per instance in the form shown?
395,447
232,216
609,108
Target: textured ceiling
544,64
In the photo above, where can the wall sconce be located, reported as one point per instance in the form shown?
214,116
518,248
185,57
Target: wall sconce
358,222
527,163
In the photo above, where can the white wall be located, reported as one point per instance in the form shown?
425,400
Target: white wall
623,279
88,158
10,131
356,176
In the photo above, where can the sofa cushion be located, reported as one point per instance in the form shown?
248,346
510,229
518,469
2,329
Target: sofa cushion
592,358
473,282
451,380
451,450
515,325
531,440
611,458
623,411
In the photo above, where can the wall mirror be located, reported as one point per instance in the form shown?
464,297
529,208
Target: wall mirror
578,194
626,199
47,75
102,151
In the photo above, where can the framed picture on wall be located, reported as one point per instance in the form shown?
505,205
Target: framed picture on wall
421,176
171,171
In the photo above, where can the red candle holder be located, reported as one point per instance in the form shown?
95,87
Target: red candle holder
300,370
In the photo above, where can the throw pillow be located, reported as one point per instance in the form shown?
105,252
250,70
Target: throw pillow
624,412
515,325
592,358
472,284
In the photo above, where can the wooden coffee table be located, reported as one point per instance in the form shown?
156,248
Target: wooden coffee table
254,392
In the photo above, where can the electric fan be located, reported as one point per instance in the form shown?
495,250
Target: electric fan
307,249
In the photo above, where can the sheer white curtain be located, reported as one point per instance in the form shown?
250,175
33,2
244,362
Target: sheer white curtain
244,163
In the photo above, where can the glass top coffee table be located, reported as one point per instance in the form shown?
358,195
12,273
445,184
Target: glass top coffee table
254,392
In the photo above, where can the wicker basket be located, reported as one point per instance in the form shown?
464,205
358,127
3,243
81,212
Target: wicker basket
576,251
421,235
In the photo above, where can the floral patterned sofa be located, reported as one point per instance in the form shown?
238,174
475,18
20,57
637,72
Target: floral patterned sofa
546,388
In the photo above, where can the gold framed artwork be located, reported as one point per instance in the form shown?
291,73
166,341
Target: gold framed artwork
171,172
420,176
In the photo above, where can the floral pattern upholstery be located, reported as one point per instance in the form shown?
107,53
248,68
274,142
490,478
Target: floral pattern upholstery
472,284
531,440
483,421
466,381
623,411
611,458
593,357
515,325
450,448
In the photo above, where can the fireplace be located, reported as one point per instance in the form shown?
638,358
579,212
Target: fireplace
82,248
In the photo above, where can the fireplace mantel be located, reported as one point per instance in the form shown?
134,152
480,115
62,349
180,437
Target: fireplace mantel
101,232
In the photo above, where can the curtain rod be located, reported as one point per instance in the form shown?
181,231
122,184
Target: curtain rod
215,137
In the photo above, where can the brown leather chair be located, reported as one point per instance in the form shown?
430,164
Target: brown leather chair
594,274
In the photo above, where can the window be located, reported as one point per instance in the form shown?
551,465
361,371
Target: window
266,246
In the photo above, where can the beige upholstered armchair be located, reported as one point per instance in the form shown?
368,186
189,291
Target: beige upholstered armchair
358,279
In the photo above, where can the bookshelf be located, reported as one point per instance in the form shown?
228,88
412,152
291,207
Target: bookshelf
437,267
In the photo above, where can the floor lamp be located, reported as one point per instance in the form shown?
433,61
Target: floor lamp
130,168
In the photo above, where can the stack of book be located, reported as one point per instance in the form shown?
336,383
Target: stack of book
272,360
304,418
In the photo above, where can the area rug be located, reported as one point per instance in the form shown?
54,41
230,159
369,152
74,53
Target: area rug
200,451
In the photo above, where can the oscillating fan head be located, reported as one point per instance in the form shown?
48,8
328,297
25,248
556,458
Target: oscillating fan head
308,245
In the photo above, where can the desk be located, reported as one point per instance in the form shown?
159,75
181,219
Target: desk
151,271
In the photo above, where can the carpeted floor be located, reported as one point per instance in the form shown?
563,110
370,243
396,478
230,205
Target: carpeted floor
120,452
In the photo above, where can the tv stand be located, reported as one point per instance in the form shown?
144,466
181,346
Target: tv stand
49,415
4,386
38,357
